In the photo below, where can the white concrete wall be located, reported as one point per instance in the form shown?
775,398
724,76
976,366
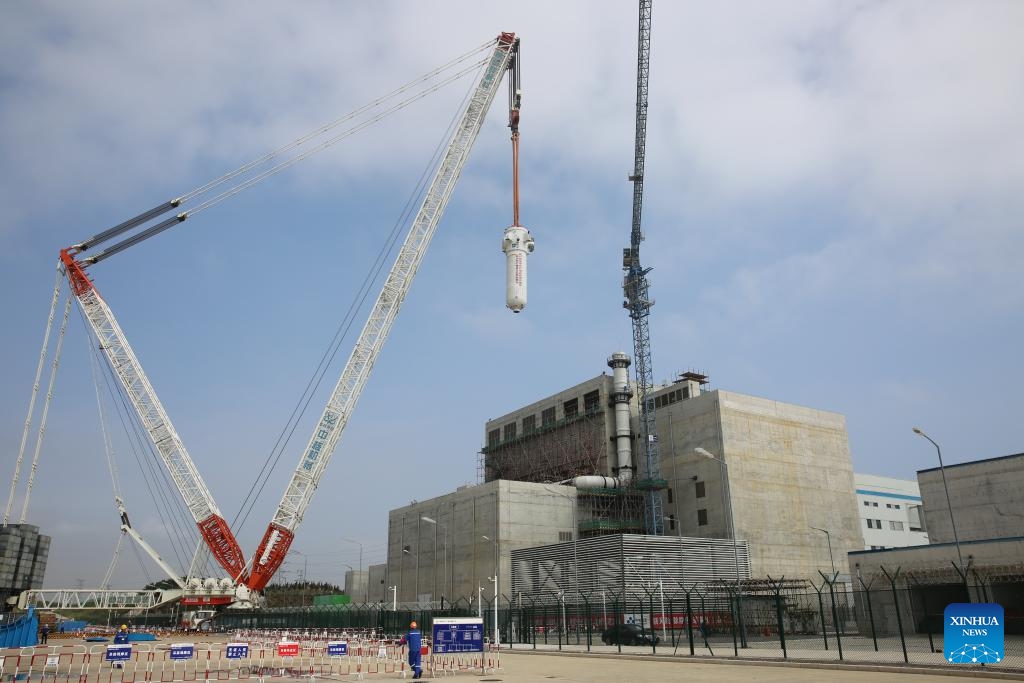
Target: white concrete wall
515,514
889,502
789,470
987,495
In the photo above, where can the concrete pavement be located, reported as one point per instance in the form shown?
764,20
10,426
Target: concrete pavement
539,667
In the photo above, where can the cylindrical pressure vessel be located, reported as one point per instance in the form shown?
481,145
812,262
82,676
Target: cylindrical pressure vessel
517,244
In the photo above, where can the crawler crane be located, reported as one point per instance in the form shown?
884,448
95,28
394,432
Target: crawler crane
247,579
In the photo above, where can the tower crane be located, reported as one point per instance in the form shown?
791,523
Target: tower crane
253,576
635,290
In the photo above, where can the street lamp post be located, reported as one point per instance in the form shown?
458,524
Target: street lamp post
436,524
497,636
949,502
732,531
366,596
828,537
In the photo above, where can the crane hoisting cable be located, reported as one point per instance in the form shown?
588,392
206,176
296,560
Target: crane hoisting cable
517,243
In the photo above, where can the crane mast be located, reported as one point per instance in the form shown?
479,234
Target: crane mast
318,451
197,496
635,289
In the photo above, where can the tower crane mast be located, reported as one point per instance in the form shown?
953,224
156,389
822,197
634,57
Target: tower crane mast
635,289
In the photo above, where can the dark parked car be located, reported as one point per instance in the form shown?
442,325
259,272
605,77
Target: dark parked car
629,634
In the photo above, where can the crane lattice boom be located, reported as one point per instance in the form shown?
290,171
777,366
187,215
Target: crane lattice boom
155,420
321,445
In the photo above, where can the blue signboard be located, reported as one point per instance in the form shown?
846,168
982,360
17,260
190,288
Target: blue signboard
237,650
464,634
119,653
182,650
337,648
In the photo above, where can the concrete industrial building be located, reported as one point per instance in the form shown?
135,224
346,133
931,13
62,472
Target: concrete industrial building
987,495
475,528
891,514
357,585
23,556
988,507
786,470
766,473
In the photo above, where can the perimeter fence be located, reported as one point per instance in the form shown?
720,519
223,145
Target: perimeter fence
892,621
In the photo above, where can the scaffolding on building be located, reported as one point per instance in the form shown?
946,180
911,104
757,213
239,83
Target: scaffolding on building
559,450
552,452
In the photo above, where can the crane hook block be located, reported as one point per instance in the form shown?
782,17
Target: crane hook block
517,244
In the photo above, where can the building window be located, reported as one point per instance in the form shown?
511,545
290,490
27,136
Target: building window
564,536
874,504
670,495
866,504
571,408
700,490
510,431
896,526
494,437
591,401
875,523
897,506
547,416
889,505
671,522
529,424
702,517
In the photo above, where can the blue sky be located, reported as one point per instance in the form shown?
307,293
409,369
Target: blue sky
832,213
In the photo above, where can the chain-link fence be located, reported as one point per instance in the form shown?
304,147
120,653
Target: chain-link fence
895,620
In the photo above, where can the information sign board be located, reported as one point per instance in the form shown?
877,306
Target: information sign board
287,649
459,634
182,650
337,648
237,650
119,653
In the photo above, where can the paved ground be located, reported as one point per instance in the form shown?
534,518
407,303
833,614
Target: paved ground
605,665
544,668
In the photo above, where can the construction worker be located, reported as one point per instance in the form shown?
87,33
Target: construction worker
122,635
414,639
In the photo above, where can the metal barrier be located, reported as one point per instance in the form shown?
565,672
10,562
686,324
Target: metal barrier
239,660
